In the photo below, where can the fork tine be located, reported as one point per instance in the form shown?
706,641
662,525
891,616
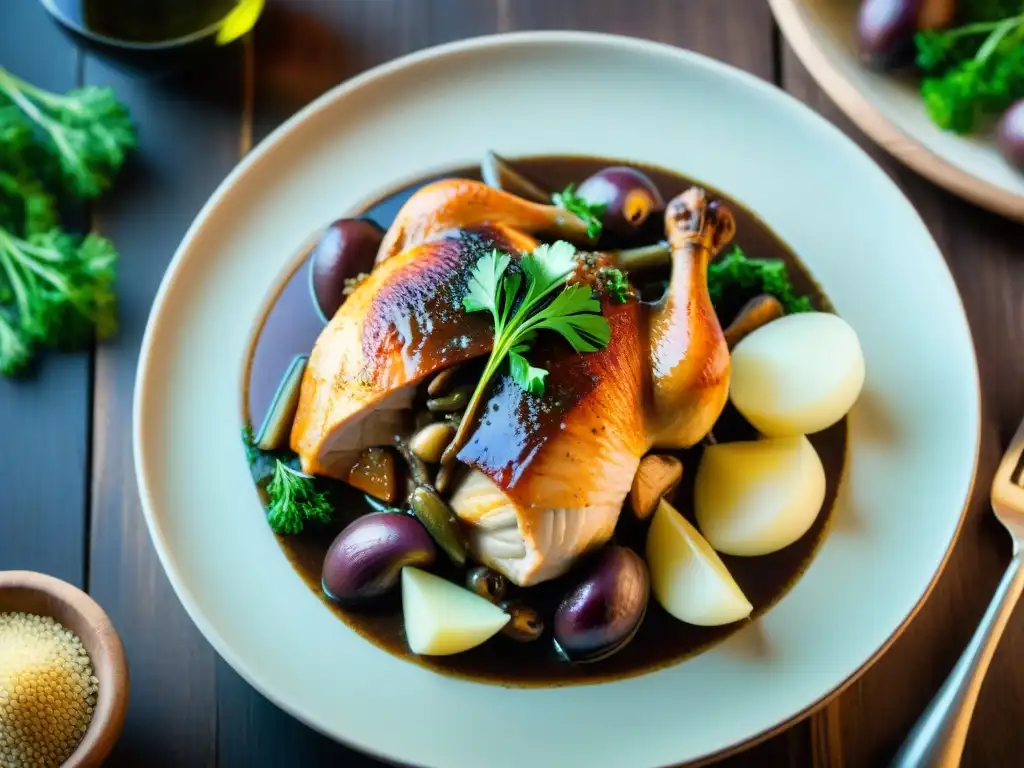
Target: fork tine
1007,471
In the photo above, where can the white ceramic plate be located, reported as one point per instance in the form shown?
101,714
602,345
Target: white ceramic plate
913,434
889,109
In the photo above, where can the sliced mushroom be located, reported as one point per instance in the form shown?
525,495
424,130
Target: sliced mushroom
376,474
429,443
657,477
759,311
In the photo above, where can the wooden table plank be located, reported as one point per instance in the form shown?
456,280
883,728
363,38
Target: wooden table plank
189,142
304,47
44,419
984,253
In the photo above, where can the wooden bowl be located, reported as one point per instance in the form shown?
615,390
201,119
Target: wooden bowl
30,592
889,109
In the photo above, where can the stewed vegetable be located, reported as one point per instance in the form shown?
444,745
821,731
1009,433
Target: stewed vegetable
346,250
602,614
366,559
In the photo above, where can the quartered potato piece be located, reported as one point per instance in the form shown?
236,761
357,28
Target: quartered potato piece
442,618
689,579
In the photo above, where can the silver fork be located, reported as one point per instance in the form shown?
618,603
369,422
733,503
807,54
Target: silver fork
937,739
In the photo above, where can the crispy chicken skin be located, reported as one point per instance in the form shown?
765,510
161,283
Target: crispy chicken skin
404,323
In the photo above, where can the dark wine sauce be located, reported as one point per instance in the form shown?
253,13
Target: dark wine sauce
291,327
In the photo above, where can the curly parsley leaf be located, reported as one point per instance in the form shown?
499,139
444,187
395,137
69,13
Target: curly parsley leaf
15,353
62,287
56,288
293,499
736,272
590,213
974,71
89,132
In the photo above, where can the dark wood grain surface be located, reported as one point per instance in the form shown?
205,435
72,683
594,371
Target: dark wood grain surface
70,505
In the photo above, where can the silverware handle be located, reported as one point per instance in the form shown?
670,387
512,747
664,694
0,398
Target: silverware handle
937,739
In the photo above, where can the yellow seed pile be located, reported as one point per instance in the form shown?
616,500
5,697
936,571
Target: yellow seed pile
47,691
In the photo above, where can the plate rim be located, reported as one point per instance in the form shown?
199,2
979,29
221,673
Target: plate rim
322,102
793,19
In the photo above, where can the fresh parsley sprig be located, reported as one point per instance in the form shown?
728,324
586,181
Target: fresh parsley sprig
590,213
547,303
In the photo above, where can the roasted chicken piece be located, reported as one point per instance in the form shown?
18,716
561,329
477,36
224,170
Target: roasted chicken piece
406,321
548,475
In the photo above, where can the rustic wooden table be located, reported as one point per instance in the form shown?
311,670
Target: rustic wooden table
69,502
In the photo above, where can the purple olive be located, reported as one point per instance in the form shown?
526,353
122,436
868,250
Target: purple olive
1010,135
885,33
604,611
346,249
365,561
629,196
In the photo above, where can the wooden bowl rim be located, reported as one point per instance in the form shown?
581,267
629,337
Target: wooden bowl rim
104,647
794,22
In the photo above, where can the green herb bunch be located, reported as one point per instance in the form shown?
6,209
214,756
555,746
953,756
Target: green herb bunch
736,276
293,499
56,288
975,70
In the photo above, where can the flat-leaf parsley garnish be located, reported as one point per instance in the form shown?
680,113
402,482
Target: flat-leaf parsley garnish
547,304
